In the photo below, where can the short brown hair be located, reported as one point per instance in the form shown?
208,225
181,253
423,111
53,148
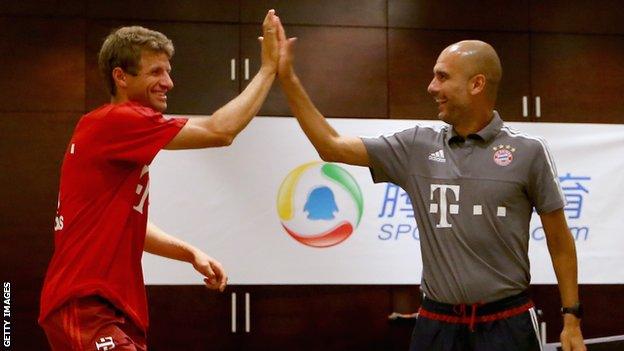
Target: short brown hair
122,48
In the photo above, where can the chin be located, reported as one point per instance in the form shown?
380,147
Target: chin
160,106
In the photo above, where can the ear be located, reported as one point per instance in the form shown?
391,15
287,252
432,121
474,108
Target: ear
119,76
477,84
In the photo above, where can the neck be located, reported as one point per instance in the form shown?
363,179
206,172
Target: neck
119,99
473,124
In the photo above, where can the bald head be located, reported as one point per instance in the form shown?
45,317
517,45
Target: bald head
478,57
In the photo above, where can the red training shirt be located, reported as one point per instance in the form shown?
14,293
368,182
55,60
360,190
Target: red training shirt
101,218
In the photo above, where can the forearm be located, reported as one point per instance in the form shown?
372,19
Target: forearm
563,255
159,243
236,114
312,122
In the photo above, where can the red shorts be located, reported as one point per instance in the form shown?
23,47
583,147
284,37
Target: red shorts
92,324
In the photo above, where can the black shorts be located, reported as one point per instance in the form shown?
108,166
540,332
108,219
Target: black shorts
509,324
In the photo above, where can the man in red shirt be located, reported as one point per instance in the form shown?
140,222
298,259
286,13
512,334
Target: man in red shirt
93,296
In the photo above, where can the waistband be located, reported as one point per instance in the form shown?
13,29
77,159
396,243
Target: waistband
476,312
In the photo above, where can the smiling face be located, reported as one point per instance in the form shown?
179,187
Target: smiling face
150,85
450,87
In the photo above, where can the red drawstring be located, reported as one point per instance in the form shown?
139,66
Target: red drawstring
462,313
473,314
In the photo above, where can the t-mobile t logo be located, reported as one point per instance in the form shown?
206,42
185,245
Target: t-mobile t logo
443,208
105,344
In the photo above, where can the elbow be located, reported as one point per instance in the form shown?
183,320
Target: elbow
328,156
222,139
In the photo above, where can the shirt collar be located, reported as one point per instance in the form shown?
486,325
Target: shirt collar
486,134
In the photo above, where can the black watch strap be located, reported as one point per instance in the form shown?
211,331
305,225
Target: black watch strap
576,310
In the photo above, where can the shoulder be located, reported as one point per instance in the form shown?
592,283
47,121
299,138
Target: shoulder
130,112
133,109
522,139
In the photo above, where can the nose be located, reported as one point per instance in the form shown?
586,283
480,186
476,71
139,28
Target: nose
166,81
433,87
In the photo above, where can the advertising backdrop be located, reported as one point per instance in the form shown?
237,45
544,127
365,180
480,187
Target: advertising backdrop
273,213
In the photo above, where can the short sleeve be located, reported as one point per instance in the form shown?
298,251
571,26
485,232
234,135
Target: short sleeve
135,134
389,156
544,189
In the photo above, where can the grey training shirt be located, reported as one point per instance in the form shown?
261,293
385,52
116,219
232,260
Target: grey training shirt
473,201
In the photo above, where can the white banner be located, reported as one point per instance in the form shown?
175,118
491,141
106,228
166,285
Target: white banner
273,213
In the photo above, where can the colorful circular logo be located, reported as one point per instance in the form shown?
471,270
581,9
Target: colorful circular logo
319,204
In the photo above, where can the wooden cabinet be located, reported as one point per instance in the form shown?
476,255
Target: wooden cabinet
317,317
272,317
42,65
578,78
190,318
413,53
167,10
343,70
488,15
563,16
369,13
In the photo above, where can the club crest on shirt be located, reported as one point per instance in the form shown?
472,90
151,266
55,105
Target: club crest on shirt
503,155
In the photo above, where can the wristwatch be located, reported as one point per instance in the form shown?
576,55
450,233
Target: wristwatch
576,310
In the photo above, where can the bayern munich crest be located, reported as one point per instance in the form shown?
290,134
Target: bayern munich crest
503,155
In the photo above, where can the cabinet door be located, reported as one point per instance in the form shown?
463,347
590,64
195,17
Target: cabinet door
166,10
42,65
343,69
201,66
202,316
370,13
564,16
579,78
317,317
413,53
459,15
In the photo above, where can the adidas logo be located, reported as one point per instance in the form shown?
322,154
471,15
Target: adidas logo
437,156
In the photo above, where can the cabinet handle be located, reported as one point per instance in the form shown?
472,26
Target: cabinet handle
525,106
538,107
246,69
247,314
233,69
233,312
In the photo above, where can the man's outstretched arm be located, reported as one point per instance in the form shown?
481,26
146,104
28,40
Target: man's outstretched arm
563,254
329,144
223,126
159,243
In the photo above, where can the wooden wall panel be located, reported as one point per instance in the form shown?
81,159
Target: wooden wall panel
43,7
563,16
343,69
42,64
369,13
32,147
166,10
491,15
200,66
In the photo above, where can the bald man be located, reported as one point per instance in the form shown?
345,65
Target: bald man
473,184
